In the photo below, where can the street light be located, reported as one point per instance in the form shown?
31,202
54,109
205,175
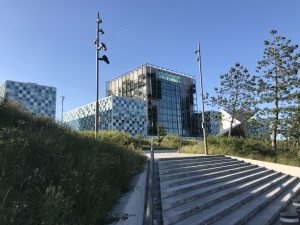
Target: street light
101,31
99,46
202,98
102,46
105,59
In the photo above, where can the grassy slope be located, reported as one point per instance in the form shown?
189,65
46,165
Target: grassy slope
51,175
248,148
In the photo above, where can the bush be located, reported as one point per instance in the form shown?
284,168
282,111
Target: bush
170,142
52,175
114,137
163,142
247,148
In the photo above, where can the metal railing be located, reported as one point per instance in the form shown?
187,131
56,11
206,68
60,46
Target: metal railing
150,187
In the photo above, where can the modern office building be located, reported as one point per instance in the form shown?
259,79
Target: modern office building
243,124
115,113
38,99
257,127
170,97
218,123
212,123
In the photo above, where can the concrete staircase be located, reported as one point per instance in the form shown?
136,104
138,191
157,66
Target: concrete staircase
222,190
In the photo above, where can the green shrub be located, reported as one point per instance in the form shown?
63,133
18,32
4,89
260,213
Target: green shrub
170,142
165,142
247,148
112,136
52,175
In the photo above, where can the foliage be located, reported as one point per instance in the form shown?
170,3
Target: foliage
248,148
161,131
258,128
139,142
236,93
170,142
294,132
292,126
279,81
52,175
114,137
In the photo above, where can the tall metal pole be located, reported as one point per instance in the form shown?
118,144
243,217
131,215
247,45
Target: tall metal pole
202,99
62,108
151,184
98,21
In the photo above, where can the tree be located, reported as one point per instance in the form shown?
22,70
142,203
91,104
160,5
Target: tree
161,131
295,126
237,93
292,125
279,81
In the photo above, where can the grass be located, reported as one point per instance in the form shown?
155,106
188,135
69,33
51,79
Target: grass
248,148
159,143
52,175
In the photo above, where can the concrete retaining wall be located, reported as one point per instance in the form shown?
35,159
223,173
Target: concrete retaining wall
291,170
130,207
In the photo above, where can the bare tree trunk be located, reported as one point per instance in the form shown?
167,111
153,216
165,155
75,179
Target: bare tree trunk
276,119
275,125
234,108
274,144
230,128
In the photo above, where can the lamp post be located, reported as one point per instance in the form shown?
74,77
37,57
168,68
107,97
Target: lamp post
202,99
99,46
62,108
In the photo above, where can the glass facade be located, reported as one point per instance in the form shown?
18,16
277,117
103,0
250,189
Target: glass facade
38,99
170,96
212,123
115,113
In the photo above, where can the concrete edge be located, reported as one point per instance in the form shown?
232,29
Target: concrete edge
290,170
129,209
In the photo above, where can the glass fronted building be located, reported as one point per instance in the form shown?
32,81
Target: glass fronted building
38,99
170,97
115,113
212,123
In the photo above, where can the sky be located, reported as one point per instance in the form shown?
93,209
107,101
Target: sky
52,42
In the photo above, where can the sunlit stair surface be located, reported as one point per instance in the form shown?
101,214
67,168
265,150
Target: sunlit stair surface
221,190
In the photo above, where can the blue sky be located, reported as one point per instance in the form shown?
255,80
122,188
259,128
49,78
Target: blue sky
51,42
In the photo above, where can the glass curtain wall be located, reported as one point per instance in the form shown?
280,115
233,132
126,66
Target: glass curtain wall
170,96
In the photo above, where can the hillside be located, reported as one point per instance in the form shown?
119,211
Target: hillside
52,175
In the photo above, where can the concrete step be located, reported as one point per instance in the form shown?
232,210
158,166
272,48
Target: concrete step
193,163
182,198
175,190
192,172
270,214
174,161
191,157
248,210
184,180
197,166
277,221
224,207
189,209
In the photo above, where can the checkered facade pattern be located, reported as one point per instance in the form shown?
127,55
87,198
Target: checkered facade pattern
38,99
2,92
115,113
212,122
